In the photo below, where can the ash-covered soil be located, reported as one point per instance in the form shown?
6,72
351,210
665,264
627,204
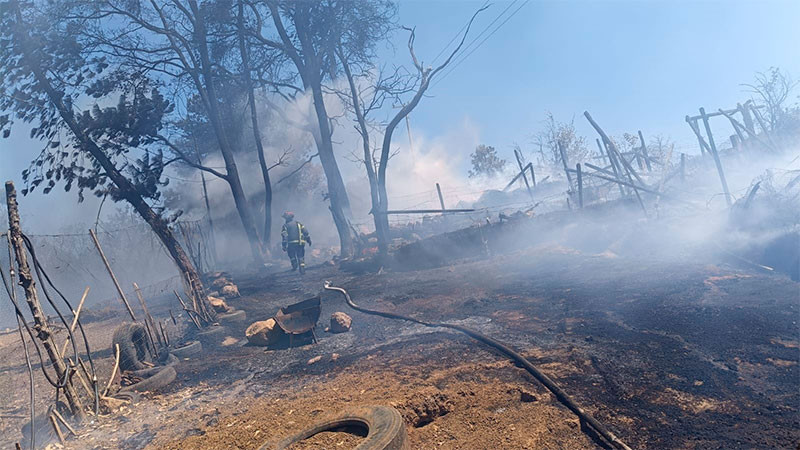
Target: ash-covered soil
692,355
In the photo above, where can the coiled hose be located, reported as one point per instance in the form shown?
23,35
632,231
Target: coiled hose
562,396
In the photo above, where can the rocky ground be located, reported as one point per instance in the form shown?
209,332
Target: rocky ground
700,354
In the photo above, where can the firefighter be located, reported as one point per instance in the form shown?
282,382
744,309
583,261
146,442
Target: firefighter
293,241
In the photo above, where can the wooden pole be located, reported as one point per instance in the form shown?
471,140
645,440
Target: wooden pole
615,151
696,130
717,161
644,152
76,314
683,167
564,162
580,185
28,284
522,171
111,273
441,199
148,319
746,117
604,149
533,175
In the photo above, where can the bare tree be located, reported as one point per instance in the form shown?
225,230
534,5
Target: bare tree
772,90
179,43
425,76
556,132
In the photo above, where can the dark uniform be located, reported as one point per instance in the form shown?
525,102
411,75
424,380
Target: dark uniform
294,237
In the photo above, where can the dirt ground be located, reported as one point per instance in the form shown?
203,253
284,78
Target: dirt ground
700,354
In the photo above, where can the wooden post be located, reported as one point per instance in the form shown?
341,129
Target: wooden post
683,167
644,152
564,162
746,117
441,198
522,170
41,327
148,319
580,185
693,125
613,148
111,272
533,175
714,153
605,151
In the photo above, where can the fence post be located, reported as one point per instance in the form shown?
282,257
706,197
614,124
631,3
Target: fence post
111,272
580,185
714,153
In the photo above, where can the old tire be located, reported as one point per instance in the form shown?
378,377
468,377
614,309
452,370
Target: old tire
157,381
235,316
132,341
386,429
191,348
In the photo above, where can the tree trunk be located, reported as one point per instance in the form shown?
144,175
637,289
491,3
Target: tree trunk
340,204
41,326
251,100
214,115
126,189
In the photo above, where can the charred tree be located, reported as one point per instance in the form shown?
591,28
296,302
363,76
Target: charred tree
41,326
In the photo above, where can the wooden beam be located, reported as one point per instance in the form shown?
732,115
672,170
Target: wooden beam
429,211
717,161
111,273
580,185
644,152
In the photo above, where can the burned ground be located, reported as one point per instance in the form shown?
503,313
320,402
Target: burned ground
694,352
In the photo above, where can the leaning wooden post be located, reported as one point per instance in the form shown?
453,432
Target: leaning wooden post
150,325
644,152
40,326
746,117
533,175
693,125
441,201
522,171
683,167
714,153
111,272
564,162
606,152
580,185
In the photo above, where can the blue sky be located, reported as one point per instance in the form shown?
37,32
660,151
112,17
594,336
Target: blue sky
632,64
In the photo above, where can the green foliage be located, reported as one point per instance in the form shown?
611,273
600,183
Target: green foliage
40,38
485,162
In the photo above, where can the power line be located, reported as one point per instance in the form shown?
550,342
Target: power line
454,38
479,44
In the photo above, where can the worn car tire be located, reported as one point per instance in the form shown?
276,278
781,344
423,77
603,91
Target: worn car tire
191,348
235,316
386,429
132,341
155,382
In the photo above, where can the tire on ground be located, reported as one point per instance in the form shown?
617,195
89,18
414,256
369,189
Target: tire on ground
162,378
187,350
386,429
132,340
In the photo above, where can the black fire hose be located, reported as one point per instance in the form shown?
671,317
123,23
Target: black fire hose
562,396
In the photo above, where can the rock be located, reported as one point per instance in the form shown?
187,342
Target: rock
221,281
334,357
526,397
340,322
218,304
230,291
263,333
315,359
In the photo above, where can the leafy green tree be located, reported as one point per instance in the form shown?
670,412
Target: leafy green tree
485,162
